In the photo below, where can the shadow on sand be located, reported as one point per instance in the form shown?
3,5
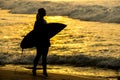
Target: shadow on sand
26,75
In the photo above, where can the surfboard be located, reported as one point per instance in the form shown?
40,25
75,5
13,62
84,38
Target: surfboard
29,41
54,28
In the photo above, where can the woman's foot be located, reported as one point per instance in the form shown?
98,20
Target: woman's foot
34,72
45,74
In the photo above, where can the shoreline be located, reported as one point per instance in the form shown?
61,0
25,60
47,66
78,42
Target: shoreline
12,72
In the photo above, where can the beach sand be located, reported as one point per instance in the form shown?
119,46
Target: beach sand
11,72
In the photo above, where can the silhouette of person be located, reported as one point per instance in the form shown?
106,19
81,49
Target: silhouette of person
42,42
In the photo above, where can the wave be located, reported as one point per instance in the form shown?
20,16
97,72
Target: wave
73,10
71,60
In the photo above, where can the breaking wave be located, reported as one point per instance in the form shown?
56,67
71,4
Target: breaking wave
74,60
73,10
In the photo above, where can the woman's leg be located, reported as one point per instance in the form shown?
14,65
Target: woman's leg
44,60
36,60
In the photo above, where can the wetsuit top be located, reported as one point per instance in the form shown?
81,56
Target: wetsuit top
41,33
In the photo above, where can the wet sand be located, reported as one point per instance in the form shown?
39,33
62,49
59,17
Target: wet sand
20,73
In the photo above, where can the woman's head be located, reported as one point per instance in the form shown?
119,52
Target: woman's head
42,12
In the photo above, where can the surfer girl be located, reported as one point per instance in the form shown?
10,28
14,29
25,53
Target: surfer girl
42,42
